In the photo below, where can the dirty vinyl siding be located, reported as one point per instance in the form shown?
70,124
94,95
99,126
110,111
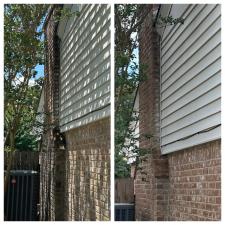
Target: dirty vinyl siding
85,68
191,77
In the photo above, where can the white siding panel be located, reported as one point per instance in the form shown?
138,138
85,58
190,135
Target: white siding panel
199,65
171,30
192,56
201,34
86,119
195,140
191,78
180,28
85,67
211,108
199,102
181,35
201,125
179,100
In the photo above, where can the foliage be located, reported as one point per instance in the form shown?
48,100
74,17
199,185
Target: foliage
26,139
168,21
23,50
122,167
65,13
128,74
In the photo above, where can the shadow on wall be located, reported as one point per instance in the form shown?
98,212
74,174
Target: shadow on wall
85,69
88,172
46,182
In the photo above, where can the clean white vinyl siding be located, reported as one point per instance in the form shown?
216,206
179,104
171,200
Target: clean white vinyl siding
85,66
190,77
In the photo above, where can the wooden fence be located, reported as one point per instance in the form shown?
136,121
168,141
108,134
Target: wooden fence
124,190
23,160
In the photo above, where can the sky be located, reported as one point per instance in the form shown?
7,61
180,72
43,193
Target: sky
40,68
40,71
135,51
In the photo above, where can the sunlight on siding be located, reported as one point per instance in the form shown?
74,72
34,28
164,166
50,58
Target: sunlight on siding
85,68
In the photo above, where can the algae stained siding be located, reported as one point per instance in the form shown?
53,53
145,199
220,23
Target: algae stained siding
190,77
84,66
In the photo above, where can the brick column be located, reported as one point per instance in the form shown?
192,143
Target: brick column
152,181
52,157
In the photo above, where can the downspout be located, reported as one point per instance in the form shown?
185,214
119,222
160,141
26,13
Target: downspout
157,15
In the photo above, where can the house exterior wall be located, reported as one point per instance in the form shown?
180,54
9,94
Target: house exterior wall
85,109
51,157
180,185
151,182
85,66
88,172
75,157
191,77
195,183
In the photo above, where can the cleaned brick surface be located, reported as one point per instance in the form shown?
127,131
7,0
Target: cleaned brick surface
195,183
184,185
151,198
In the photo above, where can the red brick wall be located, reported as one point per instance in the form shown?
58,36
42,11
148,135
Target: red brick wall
144,193
51,157
88,172
195,183
184,185
152,179
74,175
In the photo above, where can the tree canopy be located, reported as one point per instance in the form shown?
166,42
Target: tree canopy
23,51
128,74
